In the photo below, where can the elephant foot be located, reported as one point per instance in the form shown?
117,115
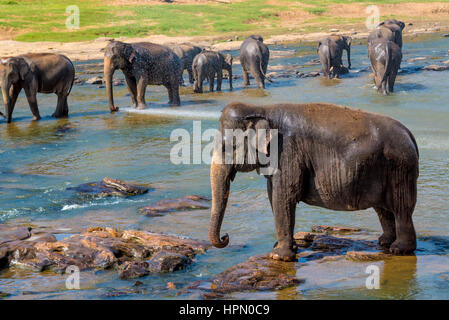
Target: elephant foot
402,247
283,254
385,241
113,109
141,106
176,104
37,118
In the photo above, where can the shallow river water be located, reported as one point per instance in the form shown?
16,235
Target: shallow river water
40,160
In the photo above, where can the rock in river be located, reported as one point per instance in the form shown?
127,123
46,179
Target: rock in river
110,187
171,205
134,253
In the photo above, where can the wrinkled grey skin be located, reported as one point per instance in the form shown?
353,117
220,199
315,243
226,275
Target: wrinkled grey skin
328,156
330,52
390,30
186,54
385,57
143,64
36,72
254,56
206,65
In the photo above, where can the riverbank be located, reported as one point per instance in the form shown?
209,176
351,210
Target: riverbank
90,50
220,25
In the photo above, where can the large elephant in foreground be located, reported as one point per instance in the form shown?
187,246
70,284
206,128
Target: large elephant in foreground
186,54
254,56
385,57
143,64
36,72
389,30
328,156
330,52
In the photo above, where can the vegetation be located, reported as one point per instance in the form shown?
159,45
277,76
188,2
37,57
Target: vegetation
45,20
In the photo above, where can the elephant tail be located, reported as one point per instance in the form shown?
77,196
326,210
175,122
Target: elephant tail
73,79
263,73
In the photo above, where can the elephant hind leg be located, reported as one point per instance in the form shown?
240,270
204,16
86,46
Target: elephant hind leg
60,106
403,198
391,80
387,221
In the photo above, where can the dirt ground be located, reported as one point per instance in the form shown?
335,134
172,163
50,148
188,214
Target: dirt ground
424,18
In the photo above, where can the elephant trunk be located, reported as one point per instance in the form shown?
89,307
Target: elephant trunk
7,103
220,178
108,73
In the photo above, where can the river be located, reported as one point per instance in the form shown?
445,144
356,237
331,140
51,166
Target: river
40,160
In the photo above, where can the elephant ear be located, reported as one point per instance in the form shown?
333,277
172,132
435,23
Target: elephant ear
130,53
24,68
348,41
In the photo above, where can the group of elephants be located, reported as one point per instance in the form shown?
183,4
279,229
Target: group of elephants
384,52
329,156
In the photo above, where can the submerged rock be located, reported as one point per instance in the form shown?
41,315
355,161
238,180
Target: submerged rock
110,187
366,256
256,273
104,248
166,261
434,67
334,229
171,205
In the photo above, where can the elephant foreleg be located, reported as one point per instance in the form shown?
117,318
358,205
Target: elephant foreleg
190,71
284,205
14,93
32,101
132,88
141,87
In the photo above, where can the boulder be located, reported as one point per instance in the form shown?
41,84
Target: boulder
109,187
434,67
171,205
334,229
104,248
95,80
166,261
366,256
256,273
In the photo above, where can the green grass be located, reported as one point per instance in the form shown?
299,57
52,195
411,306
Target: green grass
44,20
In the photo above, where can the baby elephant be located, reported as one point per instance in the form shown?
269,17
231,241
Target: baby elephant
36,72
385,57
206,65
330,52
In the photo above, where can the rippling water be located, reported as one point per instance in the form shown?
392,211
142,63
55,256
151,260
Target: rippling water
40,160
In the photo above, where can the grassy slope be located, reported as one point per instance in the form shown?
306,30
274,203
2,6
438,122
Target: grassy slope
44,20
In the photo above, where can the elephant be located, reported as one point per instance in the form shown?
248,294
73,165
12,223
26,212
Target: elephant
254,56
206,65
186,54
36,72
143,64
385,57
328,156
330,51
390,30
